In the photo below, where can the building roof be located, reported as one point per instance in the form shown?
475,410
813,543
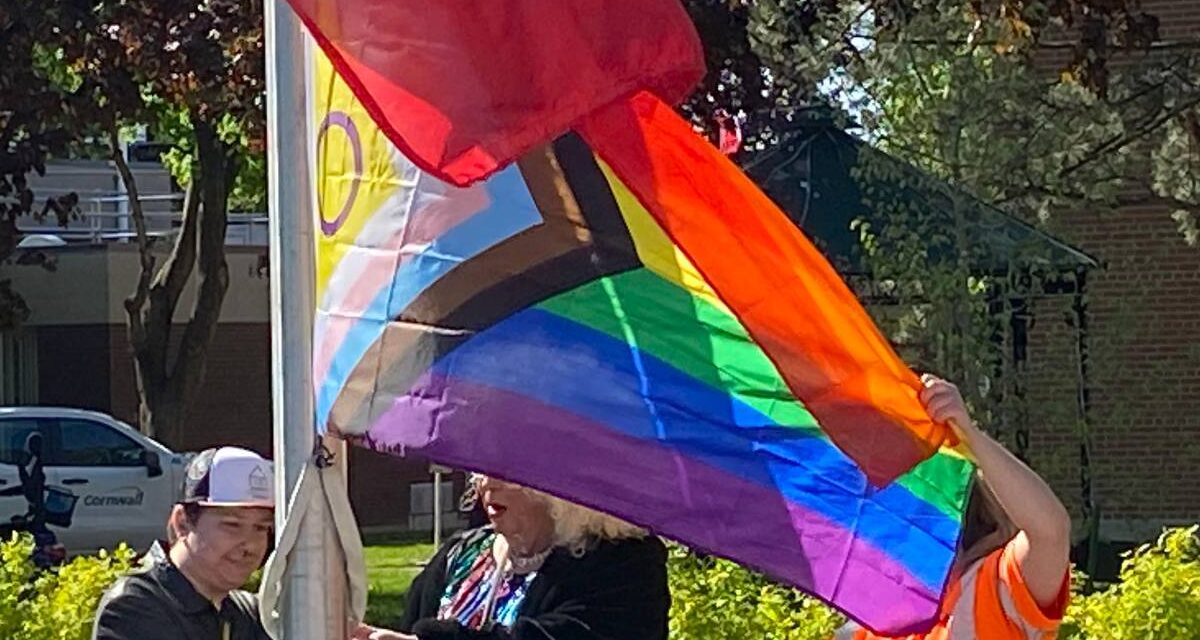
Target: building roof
811,175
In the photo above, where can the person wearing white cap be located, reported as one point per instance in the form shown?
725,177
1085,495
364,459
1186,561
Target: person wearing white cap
219,534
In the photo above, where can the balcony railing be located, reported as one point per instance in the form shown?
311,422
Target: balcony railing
106,218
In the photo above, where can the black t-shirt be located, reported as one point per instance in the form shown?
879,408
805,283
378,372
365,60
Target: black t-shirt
158,603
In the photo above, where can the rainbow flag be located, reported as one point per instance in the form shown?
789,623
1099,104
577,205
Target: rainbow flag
623,319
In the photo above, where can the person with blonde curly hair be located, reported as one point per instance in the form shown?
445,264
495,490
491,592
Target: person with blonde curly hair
541,568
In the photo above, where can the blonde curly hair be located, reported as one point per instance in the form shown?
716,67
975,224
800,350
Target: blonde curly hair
576,527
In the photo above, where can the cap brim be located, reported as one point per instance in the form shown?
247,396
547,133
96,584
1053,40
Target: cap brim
211,503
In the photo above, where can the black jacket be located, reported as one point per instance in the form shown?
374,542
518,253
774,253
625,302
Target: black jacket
615,591
158,603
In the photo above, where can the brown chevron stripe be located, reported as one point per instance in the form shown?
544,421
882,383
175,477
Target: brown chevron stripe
582,237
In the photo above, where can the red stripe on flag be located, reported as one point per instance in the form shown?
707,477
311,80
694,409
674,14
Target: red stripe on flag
464,87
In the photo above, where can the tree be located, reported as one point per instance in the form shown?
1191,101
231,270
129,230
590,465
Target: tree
34,123
767,56
926,79
198,76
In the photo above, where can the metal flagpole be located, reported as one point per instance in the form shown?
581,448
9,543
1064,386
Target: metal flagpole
313,596
439,472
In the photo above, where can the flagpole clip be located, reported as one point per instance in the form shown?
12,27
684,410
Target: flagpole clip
322,456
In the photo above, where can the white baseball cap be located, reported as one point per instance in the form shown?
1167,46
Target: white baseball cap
229,477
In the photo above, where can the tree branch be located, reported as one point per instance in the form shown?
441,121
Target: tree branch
1148,196
894,144
1192,124
214,165
148,339
1142,92
178,268
1038,189
916,69
134,304
844,36
1121,141
1166,45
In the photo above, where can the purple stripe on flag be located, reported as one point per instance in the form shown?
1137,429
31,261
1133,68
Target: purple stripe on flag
514,437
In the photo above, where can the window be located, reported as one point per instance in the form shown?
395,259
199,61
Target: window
18,367
420,509
14,432
90,444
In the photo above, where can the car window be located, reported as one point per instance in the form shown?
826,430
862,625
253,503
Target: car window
14,434
83,443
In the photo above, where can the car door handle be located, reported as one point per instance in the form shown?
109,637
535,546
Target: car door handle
75,481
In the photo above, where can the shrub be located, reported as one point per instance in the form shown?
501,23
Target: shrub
56,604
713,598
1158,595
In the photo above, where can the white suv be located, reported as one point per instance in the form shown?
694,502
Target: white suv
104,482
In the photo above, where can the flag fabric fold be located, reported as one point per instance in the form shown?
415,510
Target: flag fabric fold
424,70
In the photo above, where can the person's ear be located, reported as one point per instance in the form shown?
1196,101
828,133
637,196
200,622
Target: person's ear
179,522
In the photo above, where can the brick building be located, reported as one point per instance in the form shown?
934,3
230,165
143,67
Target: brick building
1143,354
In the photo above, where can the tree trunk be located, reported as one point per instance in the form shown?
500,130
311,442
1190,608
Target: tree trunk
169,379
156,407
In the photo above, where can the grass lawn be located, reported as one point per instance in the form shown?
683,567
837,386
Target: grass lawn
392,562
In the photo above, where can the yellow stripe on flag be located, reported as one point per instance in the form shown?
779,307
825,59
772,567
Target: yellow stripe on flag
355,170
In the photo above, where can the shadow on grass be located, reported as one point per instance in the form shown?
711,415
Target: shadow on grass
386,609
393,560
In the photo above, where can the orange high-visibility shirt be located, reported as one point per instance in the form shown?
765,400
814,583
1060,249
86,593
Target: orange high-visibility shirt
990,601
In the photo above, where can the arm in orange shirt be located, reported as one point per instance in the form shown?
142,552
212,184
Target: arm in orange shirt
1041,548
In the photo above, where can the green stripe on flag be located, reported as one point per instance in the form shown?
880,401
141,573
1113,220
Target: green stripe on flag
688,333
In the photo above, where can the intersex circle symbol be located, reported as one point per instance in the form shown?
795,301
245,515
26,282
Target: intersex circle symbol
342,119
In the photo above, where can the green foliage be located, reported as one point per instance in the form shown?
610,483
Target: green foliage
963,94
248,192
1176,165
936,288
714,598
1158,595
59,604
50,63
